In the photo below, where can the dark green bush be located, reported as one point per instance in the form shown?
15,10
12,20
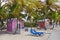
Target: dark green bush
27,24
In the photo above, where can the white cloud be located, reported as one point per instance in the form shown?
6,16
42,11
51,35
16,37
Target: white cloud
43,0
3,2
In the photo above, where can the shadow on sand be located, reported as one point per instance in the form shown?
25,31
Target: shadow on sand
34,35
4,32
9,33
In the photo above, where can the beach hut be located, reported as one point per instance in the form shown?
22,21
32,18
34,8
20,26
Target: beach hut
21,23
44,23
12,25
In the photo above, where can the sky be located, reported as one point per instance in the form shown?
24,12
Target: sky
3,2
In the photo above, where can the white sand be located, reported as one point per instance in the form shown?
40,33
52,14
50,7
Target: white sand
24,36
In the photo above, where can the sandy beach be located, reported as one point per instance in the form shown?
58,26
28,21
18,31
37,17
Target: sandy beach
27,35
24,35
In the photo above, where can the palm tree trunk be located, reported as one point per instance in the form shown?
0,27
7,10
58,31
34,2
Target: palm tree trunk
0,3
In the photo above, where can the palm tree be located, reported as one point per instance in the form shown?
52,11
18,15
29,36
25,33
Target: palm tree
49,6
35,9
0,3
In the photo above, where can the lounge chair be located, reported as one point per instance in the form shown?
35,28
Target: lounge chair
34,32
